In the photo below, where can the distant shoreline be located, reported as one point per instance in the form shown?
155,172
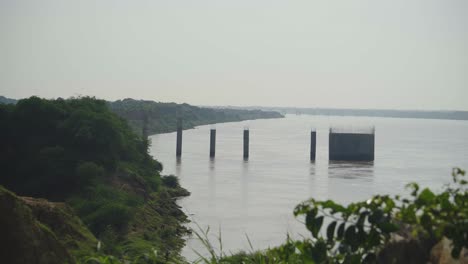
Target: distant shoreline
417,114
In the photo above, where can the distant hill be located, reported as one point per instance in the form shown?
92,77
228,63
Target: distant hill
162,117
452,115
5,100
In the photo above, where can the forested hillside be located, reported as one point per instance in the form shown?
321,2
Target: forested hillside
79,152
162,117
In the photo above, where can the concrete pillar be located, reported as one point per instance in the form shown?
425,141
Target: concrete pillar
179,138
246,143
313,141
212,142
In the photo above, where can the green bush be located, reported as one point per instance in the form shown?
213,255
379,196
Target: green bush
358,232
170,181
115,215
102,206
88,172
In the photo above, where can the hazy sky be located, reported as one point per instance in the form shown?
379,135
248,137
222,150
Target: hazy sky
403,54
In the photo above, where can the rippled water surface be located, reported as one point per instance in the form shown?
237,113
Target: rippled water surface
257,197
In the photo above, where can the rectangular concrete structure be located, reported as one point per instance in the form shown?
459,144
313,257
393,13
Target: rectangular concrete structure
179,139
246,143
353,146
313,141
212,142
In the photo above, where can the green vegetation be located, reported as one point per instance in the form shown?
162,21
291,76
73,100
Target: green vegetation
79,152
157,117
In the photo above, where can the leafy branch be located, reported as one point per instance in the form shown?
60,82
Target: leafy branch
357,232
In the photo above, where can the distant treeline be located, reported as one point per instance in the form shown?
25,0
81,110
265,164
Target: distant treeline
158,117
162,117
453,115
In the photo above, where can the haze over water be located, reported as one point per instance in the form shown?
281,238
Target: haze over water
257,197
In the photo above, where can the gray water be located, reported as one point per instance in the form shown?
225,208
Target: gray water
257,197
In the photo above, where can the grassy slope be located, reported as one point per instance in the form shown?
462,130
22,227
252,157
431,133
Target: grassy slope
24,238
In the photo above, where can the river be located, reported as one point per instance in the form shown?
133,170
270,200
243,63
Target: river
257,197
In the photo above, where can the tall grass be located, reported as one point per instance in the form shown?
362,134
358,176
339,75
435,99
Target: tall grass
216,255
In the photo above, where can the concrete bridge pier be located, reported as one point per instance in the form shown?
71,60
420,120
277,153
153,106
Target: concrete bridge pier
246,144
212,143
179,139
313,141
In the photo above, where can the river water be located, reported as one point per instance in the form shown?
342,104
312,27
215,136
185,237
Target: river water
257,197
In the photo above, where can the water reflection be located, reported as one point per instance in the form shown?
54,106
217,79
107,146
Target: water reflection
351,170
312,178
212,182
245,187
350,181
178,167
212,163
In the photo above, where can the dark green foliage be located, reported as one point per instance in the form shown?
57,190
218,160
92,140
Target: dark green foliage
149,117
44,142
364,228
88,171
156,225
170,181
437,215
103,206
80,152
